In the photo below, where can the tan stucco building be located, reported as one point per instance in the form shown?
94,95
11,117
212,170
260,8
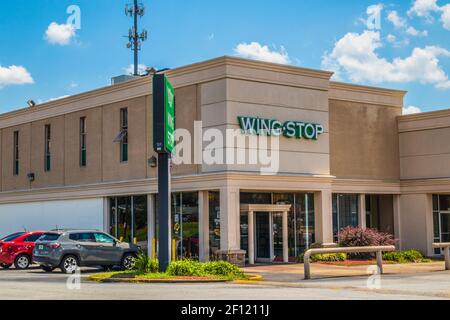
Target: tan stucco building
86,162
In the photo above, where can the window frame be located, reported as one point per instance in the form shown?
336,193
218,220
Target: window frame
16,154
83,142
47,145
124,135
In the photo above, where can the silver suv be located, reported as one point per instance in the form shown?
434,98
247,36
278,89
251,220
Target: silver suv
70,249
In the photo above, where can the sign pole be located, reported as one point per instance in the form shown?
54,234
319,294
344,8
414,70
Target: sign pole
164,145
164,236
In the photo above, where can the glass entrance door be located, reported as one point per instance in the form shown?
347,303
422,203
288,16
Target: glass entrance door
277,223
263,236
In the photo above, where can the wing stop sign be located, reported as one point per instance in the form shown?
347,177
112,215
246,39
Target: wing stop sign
164,145
163,115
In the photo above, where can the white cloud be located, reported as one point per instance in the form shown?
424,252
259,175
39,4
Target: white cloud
445,18
402,23
142,68
416,33
356,55
59,33
396,20
256,51
14,75
411,110
391,38
424,8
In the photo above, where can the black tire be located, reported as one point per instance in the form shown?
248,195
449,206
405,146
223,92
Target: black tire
6,266
128,261
69,264
22,262
48,269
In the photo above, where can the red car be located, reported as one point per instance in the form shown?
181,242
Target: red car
17,249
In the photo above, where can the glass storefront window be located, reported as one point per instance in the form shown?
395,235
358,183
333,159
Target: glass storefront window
185,224
123,210
140,222
345,212
244,233
128,219
214,222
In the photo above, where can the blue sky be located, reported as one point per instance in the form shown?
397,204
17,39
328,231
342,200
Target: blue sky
42,57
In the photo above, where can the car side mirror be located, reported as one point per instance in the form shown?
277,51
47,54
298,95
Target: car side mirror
115,243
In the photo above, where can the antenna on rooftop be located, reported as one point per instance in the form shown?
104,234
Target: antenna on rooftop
135,37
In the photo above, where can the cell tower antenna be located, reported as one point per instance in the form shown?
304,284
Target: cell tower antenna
135,38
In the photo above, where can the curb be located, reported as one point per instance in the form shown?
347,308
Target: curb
133,280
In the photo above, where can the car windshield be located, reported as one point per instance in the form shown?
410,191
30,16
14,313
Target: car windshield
49,237
12,237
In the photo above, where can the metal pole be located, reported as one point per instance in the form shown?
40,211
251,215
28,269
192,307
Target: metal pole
447,258
380,262
135,37
164,252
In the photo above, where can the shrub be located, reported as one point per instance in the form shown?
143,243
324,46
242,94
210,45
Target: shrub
359,237
407,256
185,268
145,264
324,257
195,268
221,268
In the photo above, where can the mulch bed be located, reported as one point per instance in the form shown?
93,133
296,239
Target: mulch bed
351,263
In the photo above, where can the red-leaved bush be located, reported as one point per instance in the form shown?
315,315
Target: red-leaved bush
359,237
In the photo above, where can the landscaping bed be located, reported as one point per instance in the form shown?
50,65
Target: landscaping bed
146,270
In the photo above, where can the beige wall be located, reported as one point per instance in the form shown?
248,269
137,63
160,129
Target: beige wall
416,221
364,141
74,174
9,181
424,147
54,177
224,100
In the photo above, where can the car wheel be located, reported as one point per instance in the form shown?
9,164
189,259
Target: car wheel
6,266
69,264
22,262
47,269
128,261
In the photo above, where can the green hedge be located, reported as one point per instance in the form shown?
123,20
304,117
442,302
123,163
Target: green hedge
407,256
325,257
212,268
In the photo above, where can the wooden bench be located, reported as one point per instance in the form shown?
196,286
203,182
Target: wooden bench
378,250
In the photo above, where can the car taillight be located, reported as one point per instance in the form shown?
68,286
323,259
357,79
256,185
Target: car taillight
54,245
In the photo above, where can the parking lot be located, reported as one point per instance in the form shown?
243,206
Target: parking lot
35,284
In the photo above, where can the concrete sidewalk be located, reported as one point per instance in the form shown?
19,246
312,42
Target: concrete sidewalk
295,272
427,280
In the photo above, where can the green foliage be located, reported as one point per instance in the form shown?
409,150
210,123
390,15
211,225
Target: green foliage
324,257
222,268
185,268
407,256
145,264
195,268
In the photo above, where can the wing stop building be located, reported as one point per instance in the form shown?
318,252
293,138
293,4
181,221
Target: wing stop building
347,156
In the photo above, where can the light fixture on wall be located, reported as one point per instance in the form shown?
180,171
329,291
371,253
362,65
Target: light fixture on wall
153,162
30,177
